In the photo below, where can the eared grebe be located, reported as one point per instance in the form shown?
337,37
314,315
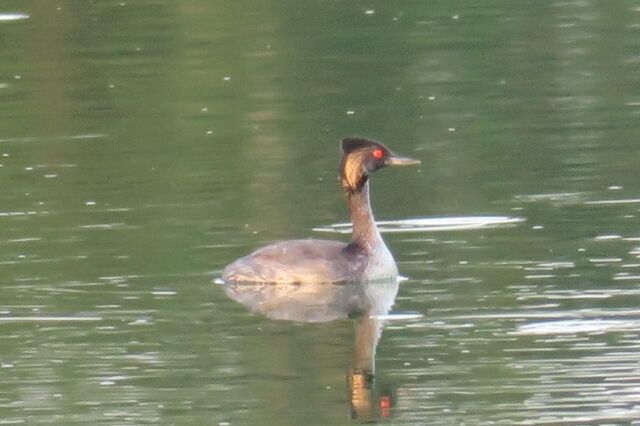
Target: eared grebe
365,258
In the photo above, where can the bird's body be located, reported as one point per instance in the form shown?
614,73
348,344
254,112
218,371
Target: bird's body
365,258
293,261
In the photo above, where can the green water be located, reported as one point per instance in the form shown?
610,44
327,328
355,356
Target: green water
144,145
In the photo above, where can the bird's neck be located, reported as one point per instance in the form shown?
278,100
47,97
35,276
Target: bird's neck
365,232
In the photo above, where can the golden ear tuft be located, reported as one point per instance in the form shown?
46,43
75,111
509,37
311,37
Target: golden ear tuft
352,172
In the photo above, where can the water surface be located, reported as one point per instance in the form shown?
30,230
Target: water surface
144,145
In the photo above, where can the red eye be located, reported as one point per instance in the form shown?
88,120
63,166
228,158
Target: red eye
378,153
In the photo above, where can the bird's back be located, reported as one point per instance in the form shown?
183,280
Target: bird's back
299,261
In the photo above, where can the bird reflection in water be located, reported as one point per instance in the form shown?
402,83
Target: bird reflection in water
367,304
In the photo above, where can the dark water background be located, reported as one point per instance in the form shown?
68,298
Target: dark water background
146,144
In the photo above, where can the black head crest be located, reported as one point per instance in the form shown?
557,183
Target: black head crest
352,144
361,156
357,162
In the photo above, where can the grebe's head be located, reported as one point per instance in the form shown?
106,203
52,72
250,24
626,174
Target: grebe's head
361,156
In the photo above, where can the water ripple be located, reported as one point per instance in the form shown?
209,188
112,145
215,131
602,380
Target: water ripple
454,223
8,17
577,326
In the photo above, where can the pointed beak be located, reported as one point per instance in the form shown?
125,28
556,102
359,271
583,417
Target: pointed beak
396,160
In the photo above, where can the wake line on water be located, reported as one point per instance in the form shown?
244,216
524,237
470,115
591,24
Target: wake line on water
460,223
49,319
6,17
577,326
